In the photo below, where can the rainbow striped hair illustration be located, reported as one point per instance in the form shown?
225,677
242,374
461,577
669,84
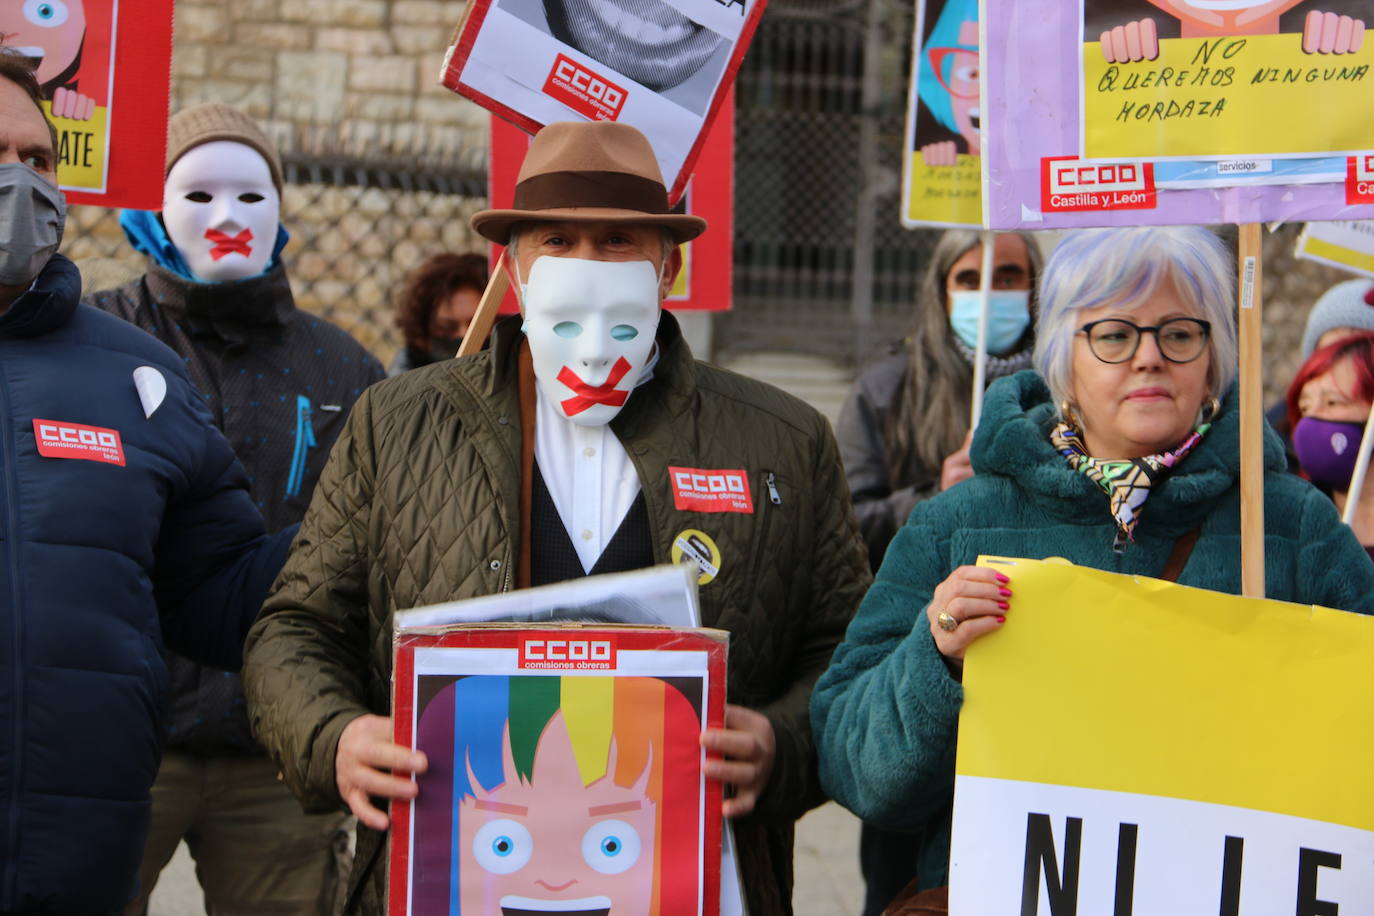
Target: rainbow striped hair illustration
482,735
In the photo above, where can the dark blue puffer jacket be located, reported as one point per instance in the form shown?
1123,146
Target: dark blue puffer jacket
99,563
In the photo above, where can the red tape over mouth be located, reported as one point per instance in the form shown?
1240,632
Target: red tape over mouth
591,395
227,244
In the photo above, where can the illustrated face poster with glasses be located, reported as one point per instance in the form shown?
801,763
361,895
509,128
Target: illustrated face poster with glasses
70,40
941,173
558,791
662,67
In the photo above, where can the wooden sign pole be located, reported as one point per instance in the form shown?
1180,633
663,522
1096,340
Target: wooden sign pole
485,316
980,356
1357,479
1251,413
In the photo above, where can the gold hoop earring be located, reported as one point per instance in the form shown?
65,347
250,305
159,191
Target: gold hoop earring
1210,410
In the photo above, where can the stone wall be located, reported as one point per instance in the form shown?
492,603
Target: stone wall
364,72
352,79
350,250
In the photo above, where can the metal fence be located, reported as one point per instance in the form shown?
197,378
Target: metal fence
822,263
357,226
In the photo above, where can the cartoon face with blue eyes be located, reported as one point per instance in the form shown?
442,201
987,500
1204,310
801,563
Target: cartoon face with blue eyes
554,845
49,31
591,328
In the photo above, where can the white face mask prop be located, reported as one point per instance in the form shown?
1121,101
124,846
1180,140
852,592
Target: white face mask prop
220,209
591,328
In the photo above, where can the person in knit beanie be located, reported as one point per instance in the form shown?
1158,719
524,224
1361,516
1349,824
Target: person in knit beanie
1344,309
221,202
279,383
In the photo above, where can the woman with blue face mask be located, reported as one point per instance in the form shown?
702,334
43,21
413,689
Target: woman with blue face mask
904,430
1328,406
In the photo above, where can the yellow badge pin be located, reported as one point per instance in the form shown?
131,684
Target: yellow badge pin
698,547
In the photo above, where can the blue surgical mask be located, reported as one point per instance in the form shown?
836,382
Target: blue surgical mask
1008,317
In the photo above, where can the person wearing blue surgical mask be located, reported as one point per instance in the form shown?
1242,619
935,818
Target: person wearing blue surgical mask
904,430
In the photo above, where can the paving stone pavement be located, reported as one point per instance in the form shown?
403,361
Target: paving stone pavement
177,892
826,864
827,869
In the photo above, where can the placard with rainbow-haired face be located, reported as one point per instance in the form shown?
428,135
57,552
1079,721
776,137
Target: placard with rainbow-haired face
558,789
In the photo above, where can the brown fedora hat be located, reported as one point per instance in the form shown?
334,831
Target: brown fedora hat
589,171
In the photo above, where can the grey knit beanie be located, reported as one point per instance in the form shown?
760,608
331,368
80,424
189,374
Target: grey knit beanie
1345,305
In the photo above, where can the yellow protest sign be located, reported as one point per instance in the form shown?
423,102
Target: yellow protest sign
1259,95
944,195
1131,745
81,148
1348,244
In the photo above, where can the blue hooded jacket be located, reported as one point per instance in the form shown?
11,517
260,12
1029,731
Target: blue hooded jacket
117,530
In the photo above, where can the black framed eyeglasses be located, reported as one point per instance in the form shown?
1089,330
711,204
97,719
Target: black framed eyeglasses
1115,340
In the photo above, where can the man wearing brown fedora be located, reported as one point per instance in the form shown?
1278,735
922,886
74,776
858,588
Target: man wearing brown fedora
585,439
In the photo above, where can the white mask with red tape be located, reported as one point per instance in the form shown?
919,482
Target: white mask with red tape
221,210
591,327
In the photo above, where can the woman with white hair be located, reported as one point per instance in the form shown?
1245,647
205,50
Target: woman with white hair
904,431
1120,453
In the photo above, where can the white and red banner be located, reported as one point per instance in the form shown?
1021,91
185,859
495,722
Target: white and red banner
665,68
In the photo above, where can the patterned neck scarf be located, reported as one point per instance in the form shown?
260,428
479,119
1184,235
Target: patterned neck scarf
1127,482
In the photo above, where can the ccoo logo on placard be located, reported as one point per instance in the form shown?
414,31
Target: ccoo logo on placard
1070,184
1359,179
567,653
583,91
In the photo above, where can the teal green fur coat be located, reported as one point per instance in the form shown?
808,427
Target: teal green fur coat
886,712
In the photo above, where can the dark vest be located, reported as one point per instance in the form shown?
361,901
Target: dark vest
553,558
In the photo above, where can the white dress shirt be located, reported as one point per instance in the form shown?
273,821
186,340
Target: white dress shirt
589,474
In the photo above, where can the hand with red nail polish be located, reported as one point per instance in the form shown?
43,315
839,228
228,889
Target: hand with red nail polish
971,602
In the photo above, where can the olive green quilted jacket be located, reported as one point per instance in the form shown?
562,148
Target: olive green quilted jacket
419,504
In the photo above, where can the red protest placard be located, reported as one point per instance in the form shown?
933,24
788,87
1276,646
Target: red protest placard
707,261
663,68
565,770
104,67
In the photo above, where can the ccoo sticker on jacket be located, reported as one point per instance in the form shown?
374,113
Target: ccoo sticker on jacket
56,439
700,490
